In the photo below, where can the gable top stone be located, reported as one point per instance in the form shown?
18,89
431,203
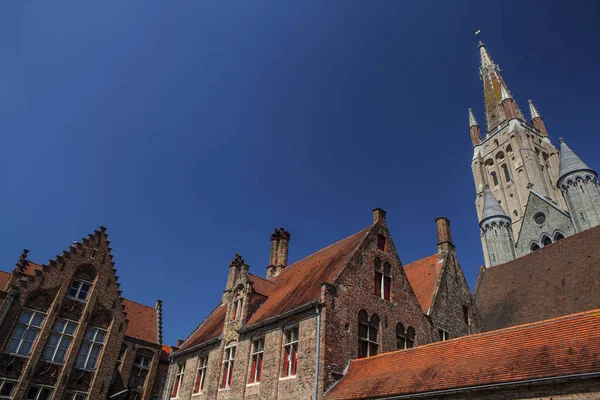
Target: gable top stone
491,207
569,162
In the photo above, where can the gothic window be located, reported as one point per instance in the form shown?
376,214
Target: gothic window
6,388
237,309
290,352
494,178
79,289
381,242
76,395
177,381
200,375
444,335
534,247
400,337
509,149
546,240
90,348
410,337
383,279
228,359
368,344
258,348
38,393
506,173
25,333
141,366
60,340
558,236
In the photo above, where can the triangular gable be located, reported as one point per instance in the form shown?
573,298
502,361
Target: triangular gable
424,277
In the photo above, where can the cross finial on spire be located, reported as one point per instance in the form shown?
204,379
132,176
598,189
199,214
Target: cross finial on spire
534,112
472,120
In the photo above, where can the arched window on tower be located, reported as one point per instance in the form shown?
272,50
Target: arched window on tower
546,240
506,173
534,247
410,337
558,236
494,178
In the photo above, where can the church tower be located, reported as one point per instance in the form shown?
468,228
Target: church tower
513,157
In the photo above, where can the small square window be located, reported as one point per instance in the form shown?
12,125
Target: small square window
381,242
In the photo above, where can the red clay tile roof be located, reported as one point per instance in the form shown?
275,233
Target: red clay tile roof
564,346
261,285
423,275
142,321
300,283
165,352
4,278
558,279
209,329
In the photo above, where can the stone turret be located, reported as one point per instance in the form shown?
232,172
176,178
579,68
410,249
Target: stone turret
579,186
496,231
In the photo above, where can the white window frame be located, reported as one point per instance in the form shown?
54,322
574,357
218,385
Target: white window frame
62,335
237,309
76,395
200,373
290,342
3,382
78,290
38,394
444,334
258,354
92,343
368,339
27,327
140,367
228,364
178,379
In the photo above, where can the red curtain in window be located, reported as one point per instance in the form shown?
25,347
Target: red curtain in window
259,368
378,276
230,374
387,283
294,359
287,361
253,373
176,387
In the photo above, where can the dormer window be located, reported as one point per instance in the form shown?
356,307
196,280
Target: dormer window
381,242
79,289
237,309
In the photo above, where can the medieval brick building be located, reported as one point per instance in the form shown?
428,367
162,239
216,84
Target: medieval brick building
66,332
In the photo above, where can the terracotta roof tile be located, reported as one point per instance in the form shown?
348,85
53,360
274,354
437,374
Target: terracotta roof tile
423,275
556,280
261,285
142,321
209,329
559,347
165,352
4,278
300,283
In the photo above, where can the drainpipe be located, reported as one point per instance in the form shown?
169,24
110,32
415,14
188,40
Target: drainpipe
168,388
318,351
13,295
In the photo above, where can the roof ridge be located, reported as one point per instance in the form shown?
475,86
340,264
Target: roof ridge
261,278
203,321
489,333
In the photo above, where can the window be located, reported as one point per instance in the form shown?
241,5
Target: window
400,337
466,317
381,242
90,348
558,236
76,396
383,280
228,367
257,360
79,289
494,178
546,240
39,393
506,173
237,309
410,337
290,352
368,344
25,332
177,382
60,340
141,365
200,375
6,388
444,335
534,247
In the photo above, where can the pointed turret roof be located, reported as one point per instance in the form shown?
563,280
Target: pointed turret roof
504,93
534,112
569,162
491,207
486,60
472,120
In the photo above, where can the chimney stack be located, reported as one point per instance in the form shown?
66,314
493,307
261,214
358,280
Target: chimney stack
378,215
280,241
444,235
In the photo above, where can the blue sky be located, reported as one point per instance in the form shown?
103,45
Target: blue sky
191,129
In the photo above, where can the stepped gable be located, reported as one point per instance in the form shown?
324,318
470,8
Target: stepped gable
300,283
208,329
558,279
553,348
423,276
4,278
142,321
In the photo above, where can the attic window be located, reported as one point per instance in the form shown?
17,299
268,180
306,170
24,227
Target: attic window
79,289
381,242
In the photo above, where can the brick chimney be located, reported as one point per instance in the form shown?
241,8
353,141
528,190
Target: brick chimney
378,215
280,241
444,235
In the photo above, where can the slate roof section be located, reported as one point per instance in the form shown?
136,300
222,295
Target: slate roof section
491,207
423,276
142,321
569,162
560,347
208,329
558,279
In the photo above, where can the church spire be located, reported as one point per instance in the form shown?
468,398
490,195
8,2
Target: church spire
472,120
474,129
534,112
495,92
536,119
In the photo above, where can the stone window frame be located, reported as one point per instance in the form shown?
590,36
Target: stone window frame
139,368
290,342
39,395
6,391
383,279
27,327
92,343
178,380
200,377
78,290
368,340
256,360
504,168
228,364
62,336
411,341
494,178
237,309
400,337
76,395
